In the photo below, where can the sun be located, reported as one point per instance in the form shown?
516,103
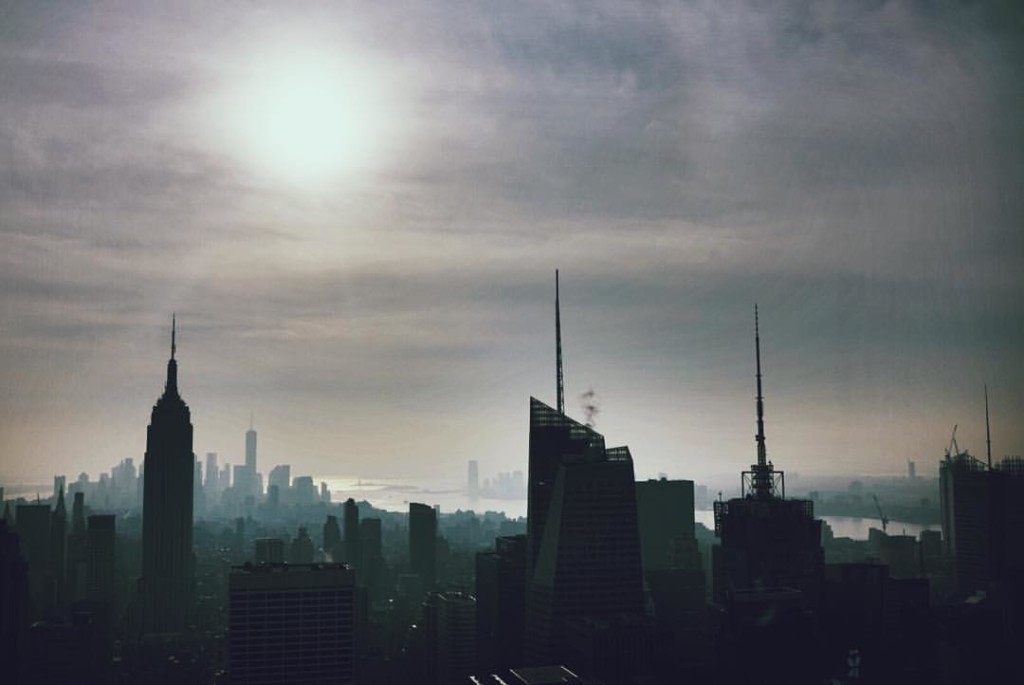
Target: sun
307,115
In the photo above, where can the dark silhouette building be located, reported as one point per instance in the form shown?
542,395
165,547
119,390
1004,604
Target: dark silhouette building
302,551
371,554
351,532
588,562
100,566
58,548
768,541
423,543
449,639
269,550
167,585
291,623
14,601
332,538
501,604
33,525
671,558
582,546
76,551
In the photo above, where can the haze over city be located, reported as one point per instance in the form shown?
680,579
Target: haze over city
369,269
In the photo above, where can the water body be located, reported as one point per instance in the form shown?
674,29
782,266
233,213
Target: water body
844,526
392,494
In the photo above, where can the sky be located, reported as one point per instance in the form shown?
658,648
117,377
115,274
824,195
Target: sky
356,211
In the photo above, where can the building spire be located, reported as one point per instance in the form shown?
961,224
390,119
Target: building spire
172,365
560,390
763,485
988,432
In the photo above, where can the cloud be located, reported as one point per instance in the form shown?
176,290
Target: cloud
853,166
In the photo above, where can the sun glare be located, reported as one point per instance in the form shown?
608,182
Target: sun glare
307,116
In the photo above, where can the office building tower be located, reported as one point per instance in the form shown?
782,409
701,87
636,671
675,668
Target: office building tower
423,543
671,558
449,619
302,551
303,491
100,565
269,551
291,624
77,551
768,541
582,545
58,548
33,525
332,539
212,482
14,601
371,554
59,482
473,485
243,482
351,533
250,448
167,584
588,563
198,493
982,506
501,604
280,476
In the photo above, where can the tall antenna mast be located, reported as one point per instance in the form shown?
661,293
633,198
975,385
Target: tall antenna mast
988,433
174,330
560,391
762,480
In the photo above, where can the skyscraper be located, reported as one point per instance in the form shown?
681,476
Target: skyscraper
351,532
473,484
249,485
291,623
211,482
168,569
501,603
768,541
587,563
33,526
671,558
583,546
58,547
250,448
100,559
371,554
331,538
423,543
14,602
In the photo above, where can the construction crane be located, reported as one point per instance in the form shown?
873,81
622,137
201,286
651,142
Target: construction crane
954,449
885,520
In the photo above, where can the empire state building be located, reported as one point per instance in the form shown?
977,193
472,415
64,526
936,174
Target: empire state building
168,566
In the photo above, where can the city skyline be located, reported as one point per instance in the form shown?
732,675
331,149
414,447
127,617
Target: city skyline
854,173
